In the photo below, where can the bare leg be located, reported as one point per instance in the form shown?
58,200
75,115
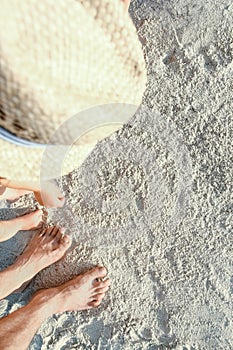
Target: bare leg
83,292
44,249
46,194
12,194
26,222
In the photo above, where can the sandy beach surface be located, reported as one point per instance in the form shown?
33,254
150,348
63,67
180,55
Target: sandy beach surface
152,202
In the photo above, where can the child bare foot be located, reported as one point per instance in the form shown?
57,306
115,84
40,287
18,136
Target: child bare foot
49,195
8,228
44,249
81,293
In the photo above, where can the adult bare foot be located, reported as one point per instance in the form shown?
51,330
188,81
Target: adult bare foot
8,228
44,249
83,292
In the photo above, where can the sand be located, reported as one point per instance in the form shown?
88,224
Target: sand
153,201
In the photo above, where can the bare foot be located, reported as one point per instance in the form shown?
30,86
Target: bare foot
26,222
46,247
50,196
81,293
43,250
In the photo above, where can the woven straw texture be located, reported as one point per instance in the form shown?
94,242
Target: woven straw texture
58,58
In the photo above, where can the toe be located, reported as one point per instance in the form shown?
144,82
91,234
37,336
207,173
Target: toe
60,250
48,234
60,201
54,232
58,236
101,290
95,303
49,231
98,272
35,217
40,233
38,218
65,242
98,297
101,284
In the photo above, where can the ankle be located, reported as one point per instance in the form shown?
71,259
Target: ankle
10,280
50,300
23,268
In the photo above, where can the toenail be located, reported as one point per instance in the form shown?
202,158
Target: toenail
66,238
103,270
99,279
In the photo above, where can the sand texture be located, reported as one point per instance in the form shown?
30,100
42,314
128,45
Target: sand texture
153,201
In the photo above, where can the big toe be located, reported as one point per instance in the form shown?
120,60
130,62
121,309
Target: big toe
95,303
98,272
101,284
60,201
34,218
65,242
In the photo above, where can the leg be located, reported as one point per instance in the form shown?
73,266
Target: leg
44,249
26,222
83,292
48,194
12,194
12,189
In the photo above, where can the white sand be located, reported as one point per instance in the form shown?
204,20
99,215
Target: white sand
152,203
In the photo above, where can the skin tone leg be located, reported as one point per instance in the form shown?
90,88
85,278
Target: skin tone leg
44,249
81,293
8,228
46,194
12,194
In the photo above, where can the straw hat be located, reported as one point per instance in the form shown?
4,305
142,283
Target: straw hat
58,58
